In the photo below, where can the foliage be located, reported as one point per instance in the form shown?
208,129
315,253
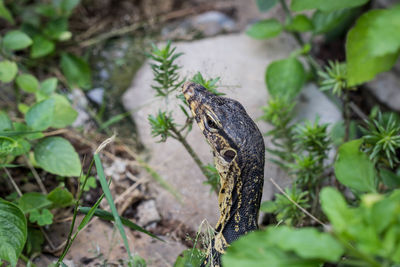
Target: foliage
363,232
382,138
163,124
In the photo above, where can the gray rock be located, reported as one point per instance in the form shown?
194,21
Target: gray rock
96,95
80,103
240,62
147,213
207,24
386,87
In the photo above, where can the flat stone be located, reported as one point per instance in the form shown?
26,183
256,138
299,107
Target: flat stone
386,87
240,62
147,213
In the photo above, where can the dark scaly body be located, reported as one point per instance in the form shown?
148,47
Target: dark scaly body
238,149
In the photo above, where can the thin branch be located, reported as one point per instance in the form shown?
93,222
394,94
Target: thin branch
12,182
36,175
297,205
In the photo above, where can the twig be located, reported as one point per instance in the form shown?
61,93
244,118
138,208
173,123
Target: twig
297,205
56,132
130,190
358,111
52,246
35,175
12,182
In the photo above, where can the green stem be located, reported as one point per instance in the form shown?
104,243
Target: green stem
178,136
70,239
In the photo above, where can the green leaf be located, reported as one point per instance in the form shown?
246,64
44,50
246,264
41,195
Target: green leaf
335,208
5,122
7,146
5,13
285,78
268,206
354,169
13,232
189,258
300,23
64,114
60,197
76,70
34,241
41,217
48,86
68,5
389,178
308,243
8,71
40,115
29,202
324,5
374,44
265,5
28,83
41,47
327,21
257,249
16,40
56,28
56,155
265,29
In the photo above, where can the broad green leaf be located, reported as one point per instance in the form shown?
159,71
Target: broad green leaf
48,86
389,178
324,21
22,147
68,5
41,217
26,132
5,13
56,27
28,83
189,258
354,169
265,29
324,5
40,116
41,47
8,71
31,201
76,70
60,197
63,114
300,23
384,213
34,241
5,122
308,243
335,208
374,44
56,155
268,206
285,78
16,40
13,232
265,5
256,249
23,108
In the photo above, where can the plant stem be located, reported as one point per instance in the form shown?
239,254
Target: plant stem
178,136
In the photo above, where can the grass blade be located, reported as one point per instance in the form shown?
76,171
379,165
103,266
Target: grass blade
105,215
107,193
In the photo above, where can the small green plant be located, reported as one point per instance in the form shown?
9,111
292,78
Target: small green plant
167,81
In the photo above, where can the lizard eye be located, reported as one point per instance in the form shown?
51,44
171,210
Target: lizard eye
210,124
229,155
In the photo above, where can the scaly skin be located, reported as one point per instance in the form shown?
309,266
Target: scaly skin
238,149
